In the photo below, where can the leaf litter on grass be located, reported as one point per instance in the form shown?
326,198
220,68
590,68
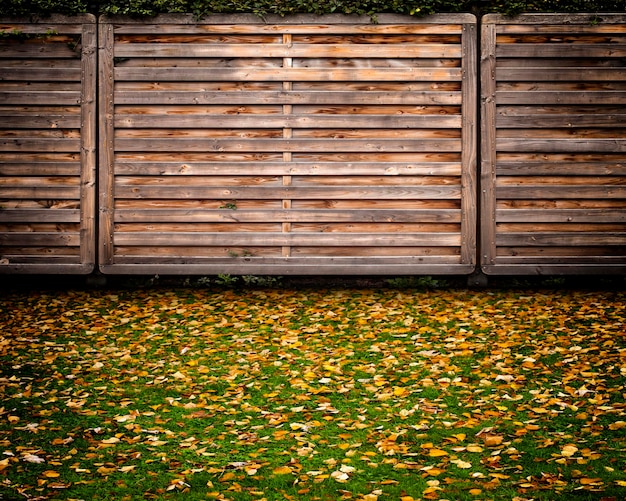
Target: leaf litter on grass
313,394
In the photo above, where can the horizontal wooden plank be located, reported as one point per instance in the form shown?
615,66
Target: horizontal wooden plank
58,145
559,180
153,97
272,145
288,215
333,266
572,261
570,239
31,238
556,269
263,168
557,23
38,181
298,23
242,254
573,216
29,168
48,267
286,239
540,120
538,227
555,251
231,227
561,191
41,74
288,74
290,121
349,180
39,215
539,73
40,193
40,97
617,145
544,97
287,192
43,121
38,51
561,50
293,50
603,164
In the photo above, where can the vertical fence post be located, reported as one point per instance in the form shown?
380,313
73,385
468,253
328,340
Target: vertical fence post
106,184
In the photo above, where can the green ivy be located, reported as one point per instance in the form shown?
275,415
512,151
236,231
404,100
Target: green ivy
202,8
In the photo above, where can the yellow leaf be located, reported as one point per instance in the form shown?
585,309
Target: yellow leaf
50,474
590,481
282,470
437,453
462,464
373,497
569,450
229,475
103,470
400,391
431,490
492,440
474,448
618,425
475,492
433,472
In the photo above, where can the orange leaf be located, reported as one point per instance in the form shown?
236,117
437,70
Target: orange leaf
437,453
569,450
282,470
492,440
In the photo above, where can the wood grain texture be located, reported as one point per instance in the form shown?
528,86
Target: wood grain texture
554,145
48,146
330,138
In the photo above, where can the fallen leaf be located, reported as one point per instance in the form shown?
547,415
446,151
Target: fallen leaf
282,470
33,458
340,476
569,450
461,464
437,452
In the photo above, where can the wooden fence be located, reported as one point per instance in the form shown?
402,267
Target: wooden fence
313,145
307,145
48,145
553,144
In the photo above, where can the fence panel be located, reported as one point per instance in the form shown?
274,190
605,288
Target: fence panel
553,144
305,145
47,145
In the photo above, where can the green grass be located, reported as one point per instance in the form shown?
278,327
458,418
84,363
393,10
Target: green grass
354,394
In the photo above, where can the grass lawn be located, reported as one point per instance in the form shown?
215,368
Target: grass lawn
328,393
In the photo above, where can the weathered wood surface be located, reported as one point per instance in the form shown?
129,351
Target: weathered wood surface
304,145
47,145
553,144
